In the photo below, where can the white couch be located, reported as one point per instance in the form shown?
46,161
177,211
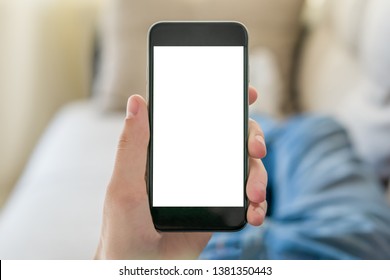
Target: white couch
55,210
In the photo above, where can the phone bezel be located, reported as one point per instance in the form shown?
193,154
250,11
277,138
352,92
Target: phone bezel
197,34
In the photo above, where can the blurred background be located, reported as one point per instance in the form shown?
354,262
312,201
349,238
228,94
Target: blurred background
46,57
68,66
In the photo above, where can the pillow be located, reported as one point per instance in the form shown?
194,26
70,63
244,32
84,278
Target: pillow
365,110
366,116
271,24
344,73
374,43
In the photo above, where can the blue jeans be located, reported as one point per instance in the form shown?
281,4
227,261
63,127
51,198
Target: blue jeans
324,203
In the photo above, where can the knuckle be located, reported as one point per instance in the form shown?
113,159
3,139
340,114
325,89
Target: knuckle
123,142
254,128
124,196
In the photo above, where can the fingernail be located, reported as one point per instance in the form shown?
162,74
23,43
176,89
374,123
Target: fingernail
132,107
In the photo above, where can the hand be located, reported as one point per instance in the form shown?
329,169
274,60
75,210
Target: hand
127,230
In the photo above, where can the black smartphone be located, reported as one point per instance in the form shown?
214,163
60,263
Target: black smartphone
198,113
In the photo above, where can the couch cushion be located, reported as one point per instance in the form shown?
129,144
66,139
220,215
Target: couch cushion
55,210
271,24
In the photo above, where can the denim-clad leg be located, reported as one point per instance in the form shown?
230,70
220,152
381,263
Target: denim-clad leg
324,202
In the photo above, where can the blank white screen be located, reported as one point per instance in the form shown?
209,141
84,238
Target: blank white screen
198,126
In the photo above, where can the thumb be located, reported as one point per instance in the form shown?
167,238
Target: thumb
130,163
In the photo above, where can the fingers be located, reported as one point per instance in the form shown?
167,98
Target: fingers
256,192
131,155
257,181
256,143
252,95
256,213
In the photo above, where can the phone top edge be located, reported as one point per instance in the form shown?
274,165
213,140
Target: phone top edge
197,21
198,33
168,22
